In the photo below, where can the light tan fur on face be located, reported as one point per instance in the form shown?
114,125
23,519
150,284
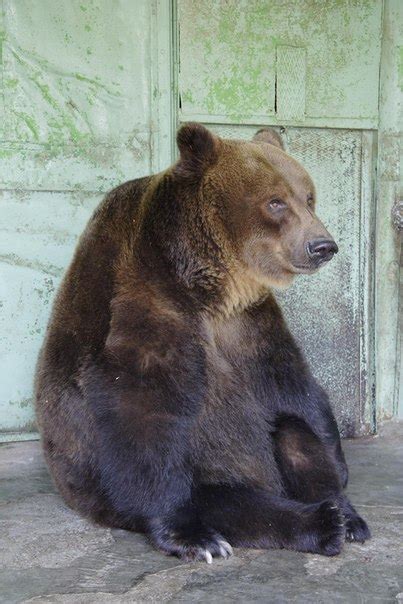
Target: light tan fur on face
250,168
264,256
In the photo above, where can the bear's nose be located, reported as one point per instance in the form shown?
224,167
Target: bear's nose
321,250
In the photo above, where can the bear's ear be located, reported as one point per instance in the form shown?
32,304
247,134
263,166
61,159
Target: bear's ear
198,149
268,135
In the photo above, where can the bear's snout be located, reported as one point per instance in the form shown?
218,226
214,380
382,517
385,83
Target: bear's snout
321,250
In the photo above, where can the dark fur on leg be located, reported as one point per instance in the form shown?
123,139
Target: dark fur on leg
251,517
310,474
304,462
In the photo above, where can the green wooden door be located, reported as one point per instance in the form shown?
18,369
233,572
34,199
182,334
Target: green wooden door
312,69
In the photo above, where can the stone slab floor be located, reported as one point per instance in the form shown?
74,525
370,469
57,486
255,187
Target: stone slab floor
49,554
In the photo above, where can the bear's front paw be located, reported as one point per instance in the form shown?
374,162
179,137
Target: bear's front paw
191,542
357,529
329,528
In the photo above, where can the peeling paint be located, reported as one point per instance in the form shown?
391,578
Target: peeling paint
57,51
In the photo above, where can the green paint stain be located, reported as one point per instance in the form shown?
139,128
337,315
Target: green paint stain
30,122
233,94
23,404
11,82
2,40
82,78
187,97
44,88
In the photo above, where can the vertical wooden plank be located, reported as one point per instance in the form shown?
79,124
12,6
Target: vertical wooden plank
290,83
163,101
367,284
2,37
387,249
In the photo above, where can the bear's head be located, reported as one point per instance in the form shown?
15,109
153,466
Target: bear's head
258,204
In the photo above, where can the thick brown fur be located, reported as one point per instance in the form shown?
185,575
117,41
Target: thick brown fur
171,396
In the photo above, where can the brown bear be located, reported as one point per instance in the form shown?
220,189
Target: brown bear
171,397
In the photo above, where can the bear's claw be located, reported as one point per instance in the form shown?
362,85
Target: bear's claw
216,548
228,551
208,556
357,529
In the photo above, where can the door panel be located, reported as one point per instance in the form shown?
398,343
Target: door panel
75,71
232,52
35,246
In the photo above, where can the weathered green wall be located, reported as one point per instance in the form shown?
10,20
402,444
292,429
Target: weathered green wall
82,108
399,199
90,94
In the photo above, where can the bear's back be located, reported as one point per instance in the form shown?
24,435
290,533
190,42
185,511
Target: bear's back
79,323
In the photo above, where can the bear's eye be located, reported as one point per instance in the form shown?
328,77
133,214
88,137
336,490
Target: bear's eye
277,204
310,201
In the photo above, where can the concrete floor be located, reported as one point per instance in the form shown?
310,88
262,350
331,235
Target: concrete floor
49,554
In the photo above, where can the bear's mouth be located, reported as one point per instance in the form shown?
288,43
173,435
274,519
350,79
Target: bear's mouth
305,269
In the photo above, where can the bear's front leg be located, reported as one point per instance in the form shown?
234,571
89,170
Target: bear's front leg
145,392
315,409
310,474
